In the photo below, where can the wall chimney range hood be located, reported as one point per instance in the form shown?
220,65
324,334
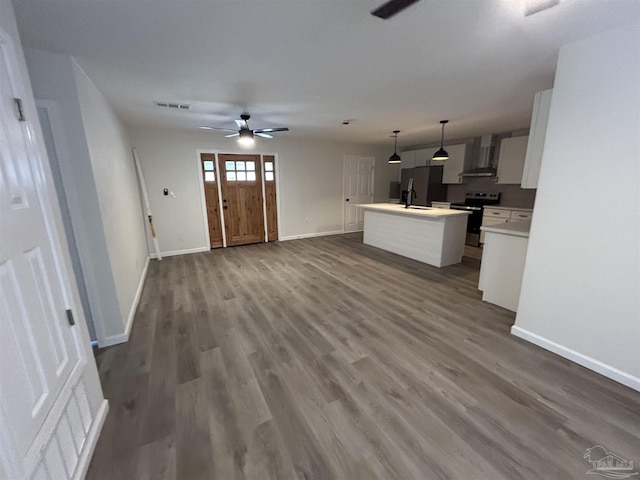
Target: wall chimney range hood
484,162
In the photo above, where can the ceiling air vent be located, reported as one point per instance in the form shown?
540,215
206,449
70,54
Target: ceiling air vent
177,106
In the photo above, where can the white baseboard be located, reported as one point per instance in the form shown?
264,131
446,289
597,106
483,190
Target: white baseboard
114,340
136,298
181,252
124,337
310,235
92,440
591,363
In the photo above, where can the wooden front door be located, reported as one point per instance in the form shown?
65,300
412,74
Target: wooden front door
209,177
241,185
270,196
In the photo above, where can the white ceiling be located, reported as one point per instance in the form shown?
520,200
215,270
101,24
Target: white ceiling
311,64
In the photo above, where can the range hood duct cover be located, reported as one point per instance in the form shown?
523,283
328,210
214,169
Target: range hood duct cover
483,166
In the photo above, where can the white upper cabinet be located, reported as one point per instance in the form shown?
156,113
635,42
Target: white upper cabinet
511,159
408,159
424,155
455,165
452,167
537,134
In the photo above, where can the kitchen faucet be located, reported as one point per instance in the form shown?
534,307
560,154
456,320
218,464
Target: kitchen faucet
411,194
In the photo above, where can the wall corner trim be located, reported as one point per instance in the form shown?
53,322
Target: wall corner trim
591,363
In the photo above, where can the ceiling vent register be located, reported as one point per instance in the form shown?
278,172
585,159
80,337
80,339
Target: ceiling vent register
177,106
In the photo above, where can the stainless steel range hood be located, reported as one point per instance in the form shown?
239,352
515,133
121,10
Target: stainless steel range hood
483,163
480,172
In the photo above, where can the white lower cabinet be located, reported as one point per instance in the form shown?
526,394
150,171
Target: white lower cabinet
502,267
497,215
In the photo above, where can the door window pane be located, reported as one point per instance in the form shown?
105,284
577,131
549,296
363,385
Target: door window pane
239,165
231,176
208,165
242,176
268,176
251,176
209,177
251,166
268,166
230,166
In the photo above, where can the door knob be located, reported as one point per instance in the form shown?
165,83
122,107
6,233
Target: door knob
346,200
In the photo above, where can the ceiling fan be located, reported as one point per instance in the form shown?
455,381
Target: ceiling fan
245,134
390,8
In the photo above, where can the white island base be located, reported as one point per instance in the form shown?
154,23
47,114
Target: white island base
431,235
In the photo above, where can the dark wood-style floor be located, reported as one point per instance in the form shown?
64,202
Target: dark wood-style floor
324,358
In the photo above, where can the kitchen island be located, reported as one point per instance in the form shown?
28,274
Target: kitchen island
431,235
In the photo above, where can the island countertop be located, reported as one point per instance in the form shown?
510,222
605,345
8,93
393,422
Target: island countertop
415,211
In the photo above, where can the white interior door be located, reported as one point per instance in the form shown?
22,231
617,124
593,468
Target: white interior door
358,189
45,412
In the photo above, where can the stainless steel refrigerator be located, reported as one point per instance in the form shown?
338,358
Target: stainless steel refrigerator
427,183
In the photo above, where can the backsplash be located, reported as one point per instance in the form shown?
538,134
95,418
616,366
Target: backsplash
510,195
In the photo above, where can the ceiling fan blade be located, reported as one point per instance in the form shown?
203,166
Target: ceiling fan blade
389,9
264,130
242,124
206,127
232,135
263,135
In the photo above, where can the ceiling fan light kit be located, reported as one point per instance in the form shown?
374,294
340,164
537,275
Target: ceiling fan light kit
395,158
442,153
245,137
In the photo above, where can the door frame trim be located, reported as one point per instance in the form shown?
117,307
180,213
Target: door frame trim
203,200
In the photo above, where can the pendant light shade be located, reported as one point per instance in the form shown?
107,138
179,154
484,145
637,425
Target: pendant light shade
442,153
395,158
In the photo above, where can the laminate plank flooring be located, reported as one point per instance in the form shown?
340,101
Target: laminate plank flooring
325,358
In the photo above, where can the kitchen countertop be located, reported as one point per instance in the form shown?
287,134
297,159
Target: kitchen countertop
506,207
416,211
518,229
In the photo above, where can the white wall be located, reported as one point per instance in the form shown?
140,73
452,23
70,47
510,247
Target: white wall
310,182
116,184
53,79
581,288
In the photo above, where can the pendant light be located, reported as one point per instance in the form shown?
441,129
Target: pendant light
395,158
442,153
